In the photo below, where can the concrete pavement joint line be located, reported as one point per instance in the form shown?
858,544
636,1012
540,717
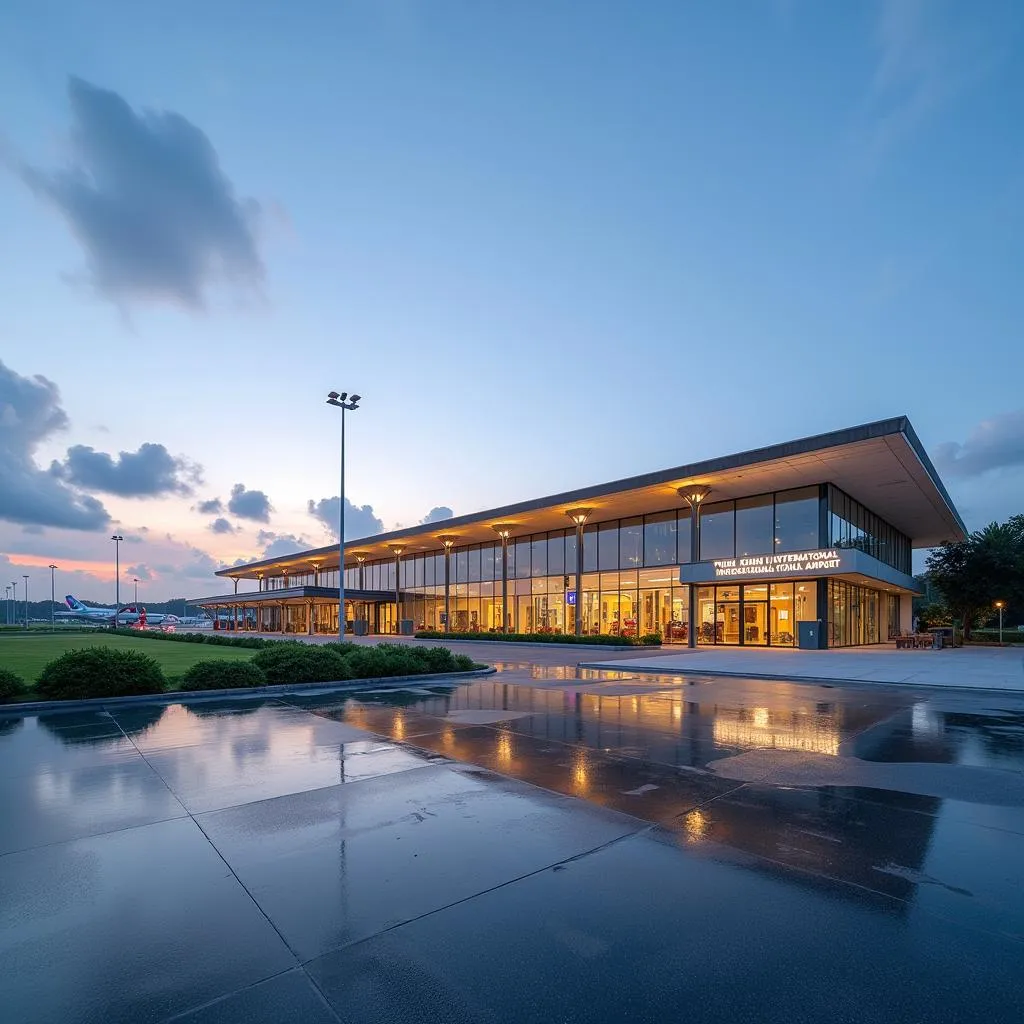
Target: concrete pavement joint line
213,847
246,988
97,835
554,865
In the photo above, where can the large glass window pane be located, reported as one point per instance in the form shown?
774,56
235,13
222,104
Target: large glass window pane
461,561
490,562
523,558
539,556
556,553
716,530
608,546
570,552
660,539
683,531
754,525
589,548
631,543
796,519
429,573
782,623
474,564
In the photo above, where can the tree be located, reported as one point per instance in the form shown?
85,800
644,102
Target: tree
972,574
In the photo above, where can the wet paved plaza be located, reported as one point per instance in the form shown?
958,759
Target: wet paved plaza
544,844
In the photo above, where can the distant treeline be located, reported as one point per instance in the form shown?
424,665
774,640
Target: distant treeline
41,609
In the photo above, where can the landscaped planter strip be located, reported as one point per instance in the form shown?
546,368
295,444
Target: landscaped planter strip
186,696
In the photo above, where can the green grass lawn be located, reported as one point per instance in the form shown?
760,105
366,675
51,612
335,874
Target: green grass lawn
26,655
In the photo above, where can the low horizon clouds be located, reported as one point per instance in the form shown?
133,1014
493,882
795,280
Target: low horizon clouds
996,443
148,201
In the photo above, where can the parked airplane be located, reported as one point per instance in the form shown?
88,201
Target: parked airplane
127,615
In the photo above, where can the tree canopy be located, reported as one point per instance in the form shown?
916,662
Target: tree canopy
973,574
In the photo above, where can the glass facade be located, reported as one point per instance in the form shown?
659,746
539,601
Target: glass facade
631,580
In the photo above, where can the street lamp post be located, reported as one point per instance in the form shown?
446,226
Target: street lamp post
117,538
25,578
346,403
504,531
53,601
135,580
579,516
7,605
1000,605
396,550
14,601
693,495
447,539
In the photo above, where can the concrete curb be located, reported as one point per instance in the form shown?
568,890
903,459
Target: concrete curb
813,680
539,645
188,696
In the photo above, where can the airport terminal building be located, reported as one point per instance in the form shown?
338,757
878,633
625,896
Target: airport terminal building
738,550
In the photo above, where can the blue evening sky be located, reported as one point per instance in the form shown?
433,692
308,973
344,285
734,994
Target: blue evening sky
551,243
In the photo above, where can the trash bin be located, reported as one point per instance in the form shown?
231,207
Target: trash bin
360,627
810,635
405,627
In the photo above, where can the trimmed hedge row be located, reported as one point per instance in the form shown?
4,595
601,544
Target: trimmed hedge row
252,643
116,672
603,639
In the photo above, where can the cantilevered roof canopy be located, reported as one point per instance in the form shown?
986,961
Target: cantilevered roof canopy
882,465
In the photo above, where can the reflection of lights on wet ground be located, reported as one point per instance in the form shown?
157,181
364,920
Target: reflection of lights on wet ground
504,748
580,769
696,825
816,735
677,711
448,738
398,726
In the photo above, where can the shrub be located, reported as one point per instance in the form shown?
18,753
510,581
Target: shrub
463,663
650,640
223,675
385,660
284,662
100,672
12,687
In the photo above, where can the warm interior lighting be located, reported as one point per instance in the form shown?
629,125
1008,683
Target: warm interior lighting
448,539
693,494
503,530
579,515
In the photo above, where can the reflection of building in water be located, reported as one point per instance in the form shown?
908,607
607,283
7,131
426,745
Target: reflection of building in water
786,730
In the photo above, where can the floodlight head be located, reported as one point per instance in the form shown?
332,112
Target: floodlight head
579,515
117,536
693,494
333,396
355,398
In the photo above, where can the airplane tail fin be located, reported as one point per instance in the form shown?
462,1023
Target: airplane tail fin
74,604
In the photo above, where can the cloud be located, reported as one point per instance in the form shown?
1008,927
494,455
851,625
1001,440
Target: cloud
265,537
146,197
927,55
30,413
213,507
436,515
147,473
142,571
996,443
249,504
221,525
359,522
284,544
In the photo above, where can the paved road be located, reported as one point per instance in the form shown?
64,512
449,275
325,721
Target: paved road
519,848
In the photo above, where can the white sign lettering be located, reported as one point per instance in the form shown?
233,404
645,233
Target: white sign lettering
777,565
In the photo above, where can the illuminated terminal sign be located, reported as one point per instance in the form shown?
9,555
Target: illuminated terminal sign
800,562
821,562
